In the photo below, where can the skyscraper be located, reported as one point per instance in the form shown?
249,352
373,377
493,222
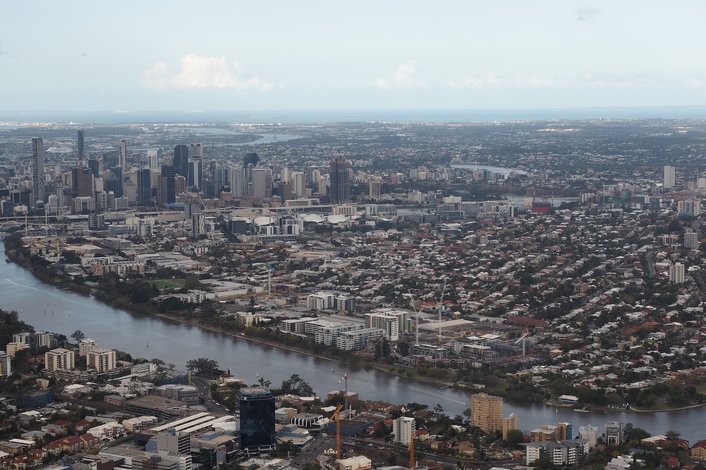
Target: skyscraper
80,144
181,160
82,182
298,182
95,165
670,176
196,150
340,172
152,160
144,187
122,161
113,180
167,185
251,158
37,171
257,420
486,412
261,182
196,173
236,178
195,177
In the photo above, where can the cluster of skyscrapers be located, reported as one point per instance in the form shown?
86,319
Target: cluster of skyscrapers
108,183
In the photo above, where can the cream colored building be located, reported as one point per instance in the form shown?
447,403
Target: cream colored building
101,360
59,359
509,423
487,412
12,348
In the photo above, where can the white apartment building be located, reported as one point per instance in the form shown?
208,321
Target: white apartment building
358,339
676,273
5,365
404,429
670,176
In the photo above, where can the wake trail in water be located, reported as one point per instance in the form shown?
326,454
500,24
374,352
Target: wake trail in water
43,291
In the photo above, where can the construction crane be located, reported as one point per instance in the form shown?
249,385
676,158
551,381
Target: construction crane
441,300
337,416
523,338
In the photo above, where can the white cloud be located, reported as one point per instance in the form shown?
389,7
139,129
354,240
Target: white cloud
403,78
586,13
198,72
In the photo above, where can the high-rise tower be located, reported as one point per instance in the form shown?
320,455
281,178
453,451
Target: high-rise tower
81,150
144,187
122,162
340,172
257,420
670,177
37,171
181,160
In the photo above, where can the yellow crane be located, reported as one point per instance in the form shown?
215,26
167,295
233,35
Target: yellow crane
337,416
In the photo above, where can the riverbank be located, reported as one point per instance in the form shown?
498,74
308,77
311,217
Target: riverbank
593,408
430,377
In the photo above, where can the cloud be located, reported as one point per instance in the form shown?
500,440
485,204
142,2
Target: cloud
586,13
199,72
403,78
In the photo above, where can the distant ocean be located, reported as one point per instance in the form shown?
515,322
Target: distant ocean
331,116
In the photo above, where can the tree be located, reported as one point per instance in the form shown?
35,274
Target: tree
295,385
403,348
78,335
203,367
514,437
285,450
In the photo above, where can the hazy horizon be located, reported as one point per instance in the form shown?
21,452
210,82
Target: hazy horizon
302,116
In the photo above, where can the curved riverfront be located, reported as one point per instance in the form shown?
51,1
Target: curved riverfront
48,308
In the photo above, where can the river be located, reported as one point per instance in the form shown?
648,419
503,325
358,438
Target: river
48,308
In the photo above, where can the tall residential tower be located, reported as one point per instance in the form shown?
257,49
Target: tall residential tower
37,171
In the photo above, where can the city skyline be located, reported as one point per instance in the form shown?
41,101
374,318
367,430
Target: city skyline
398,55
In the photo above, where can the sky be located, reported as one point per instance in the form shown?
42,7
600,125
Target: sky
226,55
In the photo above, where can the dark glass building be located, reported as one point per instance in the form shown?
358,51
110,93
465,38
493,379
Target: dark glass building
80,144
340,172
257,420
113,181
251,158
82,183
181,160
144,187
95,165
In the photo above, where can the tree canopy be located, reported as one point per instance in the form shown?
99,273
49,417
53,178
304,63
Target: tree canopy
203,367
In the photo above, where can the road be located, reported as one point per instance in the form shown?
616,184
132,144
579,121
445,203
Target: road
313,450
204,387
